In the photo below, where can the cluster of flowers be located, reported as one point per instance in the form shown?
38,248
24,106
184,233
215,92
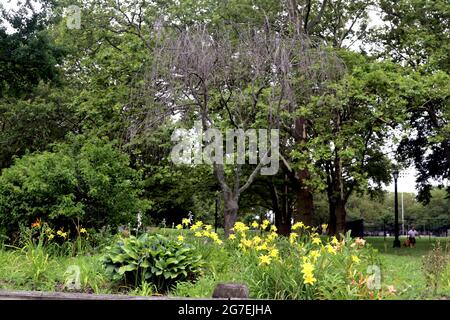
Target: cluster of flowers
200,230
263,244
50,232
305,239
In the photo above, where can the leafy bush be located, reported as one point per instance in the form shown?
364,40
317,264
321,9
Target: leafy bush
153,259
85,181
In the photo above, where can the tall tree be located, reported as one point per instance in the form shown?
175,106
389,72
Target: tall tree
352,125
417,35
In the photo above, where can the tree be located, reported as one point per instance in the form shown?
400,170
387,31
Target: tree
418,37
28,55
87,182
218,81
33,109
352,124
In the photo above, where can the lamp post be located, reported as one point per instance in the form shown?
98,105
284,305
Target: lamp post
396,240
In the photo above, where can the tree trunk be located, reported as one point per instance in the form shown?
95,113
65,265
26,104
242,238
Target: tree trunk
305,203
338,213
304,206
283,222
332,217
340,216
284,214
230,211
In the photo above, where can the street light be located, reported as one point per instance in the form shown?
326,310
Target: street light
396,240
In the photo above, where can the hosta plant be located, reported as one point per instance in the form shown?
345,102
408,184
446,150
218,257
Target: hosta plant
152,259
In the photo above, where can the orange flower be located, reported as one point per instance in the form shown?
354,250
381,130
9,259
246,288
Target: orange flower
36,224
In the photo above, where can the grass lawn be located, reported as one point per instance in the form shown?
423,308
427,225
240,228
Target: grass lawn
402,267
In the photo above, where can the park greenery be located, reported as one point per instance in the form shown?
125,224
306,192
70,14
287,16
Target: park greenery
92,91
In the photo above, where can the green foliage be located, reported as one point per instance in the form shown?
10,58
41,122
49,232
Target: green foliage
28,55
87,180
152,258
434,264
32,124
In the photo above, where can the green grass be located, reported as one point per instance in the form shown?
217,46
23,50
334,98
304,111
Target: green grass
33,269
402,267
423,245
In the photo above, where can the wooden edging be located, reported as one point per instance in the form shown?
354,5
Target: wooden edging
42,295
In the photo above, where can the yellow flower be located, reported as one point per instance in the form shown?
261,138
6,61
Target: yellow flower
309,279
208,227
265,224
334,240
206,233
273,229
255,224
231,237
330,249
83,230
51,236
355,259
195,227
179,227
185,221
293,238
265,260
272,236
262,247
298,225
307,268
198,234
314,254
240,227
324,227
316,240
308,275
246,243
199,223
273,253
218,241
213,235
180,238
257,240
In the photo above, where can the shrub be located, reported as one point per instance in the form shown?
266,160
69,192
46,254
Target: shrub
152,259
85,181
434,265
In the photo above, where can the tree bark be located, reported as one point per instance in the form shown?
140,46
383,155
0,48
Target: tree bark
230,211
304,206
284,214
340,214
305,203
332,217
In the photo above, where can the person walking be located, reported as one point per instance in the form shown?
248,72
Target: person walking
412,233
